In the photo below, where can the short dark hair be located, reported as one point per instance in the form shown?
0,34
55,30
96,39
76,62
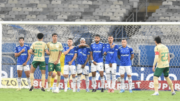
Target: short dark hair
21,38
97,35
123,38
40,35
54,34
157,39
70,39
109,35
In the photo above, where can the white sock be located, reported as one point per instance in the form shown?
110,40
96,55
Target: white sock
87,82
94,82
113,81
130,83
74,83
102,82
19,82
108,80
122,83
65,82
29,81
78,81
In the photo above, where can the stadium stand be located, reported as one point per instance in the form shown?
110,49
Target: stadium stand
167,12
66,10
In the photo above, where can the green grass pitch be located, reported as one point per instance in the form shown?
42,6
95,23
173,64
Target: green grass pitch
38,95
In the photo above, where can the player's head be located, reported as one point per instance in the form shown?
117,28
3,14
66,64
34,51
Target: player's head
157,40
21,40
82,41
40,36
124,42
97,38
70,42
110,38
54,36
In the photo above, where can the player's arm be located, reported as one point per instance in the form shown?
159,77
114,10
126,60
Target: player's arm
132,53
31,51
75,55
29,56
60,52
83,45
18,54
46,49
169,58
132,56
155,58
67,51
56,62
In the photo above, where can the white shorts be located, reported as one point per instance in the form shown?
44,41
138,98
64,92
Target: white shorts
98,67
109,69
21,67
123,69
69,68
84,70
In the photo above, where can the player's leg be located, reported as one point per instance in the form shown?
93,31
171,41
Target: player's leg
113,71
108,76
58,69
79,72
166,75
66,74
50,69
93,70
33,68
86,73
73,72
27,72
101,71
42,66
157,73
129,72
122,71
53,77
19,72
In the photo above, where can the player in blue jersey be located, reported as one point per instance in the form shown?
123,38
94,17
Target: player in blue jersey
111,51
96,56
70,53
23,56
83,52
125,55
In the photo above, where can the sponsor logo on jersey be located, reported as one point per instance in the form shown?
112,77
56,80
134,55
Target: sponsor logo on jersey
125,55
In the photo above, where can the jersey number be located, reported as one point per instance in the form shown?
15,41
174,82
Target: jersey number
38,52
164,56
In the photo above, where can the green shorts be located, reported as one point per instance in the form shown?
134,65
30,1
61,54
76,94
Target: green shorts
159,71
52,67
41,64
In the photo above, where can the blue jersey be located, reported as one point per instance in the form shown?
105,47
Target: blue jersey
70,55
97,51
82,54
111,53
125,54
23,57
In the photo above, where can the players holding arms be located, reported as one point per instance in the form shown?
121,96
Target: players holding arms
111,51
83,52
23,56
38,48
125,54
55,50
96,56
162,58
70,53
